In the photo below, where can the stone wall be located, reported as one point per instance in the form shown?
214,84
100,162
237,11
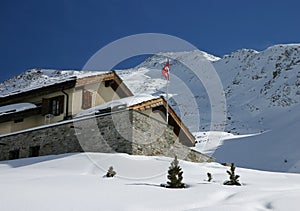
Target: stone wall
151,137
126,131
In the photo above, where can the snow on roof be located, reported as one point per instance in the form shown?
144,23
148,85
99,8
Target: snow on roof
126,102
15,108
37,78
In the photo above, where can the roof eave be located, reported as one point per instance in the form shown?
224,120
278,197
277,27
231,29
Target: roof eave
23,96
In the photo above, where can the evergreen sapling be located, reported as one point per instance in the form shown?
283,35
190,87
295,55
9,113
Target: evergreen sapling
175,175
233,179
110,172
209,177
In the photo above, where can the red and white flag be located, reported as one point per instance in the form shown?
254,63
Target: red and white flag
166,70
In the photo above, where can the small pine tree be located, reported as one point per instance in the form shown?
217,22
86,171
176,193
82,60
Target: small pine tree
175,175
209,177
110,172
233,179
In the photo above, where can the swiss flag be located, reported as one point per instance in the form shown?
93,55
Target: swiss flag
166,70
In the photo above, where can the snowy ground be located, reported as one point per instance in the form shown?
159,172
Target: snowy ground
75,182
208,142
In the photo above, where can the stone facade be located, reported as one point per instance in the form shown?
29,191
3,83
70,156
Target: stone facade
126,131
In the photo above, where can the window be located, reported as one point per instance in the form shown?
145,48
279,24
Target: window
108,83
14,154
34,151
54,103
54,106
87,97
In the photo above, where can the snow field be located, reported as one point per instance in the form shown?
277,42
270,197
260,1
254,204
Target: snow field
76,182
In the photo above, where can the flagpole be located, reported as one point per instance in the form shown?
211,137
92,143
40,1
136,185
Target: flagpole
167,96
166,73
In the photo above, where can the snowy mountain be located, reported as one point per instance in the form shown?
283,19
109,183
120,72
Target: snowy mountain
257,83
35,78
262,92
254,83
187,93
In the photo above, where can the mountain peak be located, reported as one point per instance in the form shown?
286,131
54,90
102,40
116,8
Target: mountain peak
189,54
40,77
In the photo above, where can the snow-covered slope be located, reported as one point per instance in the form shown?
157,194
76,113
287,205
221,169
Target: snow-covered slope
187,93
254,83
260,84
262,92
75,182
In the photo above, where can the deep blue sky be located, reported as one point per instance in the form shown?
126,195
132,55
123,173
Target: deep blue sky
64,34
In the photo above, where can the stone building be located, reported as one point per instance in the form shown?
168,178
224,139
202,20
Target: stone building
44,98
93,112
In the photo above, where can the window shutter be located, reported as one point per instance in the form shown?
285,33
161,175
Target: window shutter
61,101
86,99
45,106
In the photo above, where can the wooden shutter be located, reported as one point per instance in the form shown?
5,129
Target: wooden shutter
45,106
86,99
61,101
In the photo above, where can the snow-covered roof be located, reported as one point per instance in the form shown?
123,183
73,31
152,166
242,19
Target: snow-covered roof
37,78
8,109
126,102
